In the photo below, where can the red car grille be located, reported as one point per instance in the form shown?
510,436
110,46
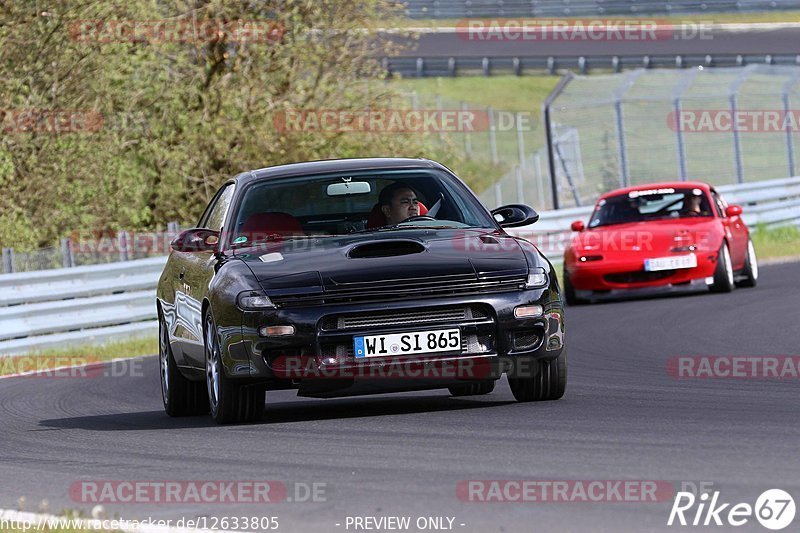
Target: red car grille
638,277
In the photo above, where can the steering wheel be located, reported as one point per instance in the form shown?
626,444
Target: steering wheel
417,217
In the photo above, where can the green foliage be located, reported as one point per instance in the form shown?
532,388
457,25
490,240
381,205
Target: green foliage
178,117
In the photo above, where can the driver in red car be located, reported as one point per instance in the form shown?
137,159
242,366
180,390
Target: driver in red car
693,205
398,202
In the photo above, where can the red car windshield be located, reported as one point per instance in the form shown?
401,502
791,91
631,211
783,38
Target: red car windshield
651,204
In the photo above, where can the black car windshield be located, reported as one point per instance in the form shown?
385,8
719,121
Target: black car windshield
347,203
651,204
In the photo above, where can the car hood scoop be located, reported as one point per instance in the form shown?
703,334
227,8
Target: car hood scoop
385,248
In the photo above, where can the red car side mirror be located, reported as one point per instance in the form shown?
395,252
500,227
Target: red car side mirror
196,240
733,211
577,225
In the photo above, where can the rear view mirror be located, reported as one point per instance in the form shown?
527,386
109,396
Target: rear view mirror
515,215
196,240
349,187
577,225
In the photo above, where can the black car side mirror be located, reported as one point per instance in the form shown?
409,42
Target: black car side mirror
196,240
514,215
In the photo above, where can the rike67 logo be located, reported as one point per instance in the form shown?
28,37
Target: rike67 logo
774,509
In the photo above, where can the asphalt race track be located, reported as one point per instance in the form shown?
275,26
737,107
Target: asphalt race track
623,418
756,40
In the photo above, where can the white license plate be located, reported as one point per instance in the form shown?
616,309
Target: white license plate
670,263
439,340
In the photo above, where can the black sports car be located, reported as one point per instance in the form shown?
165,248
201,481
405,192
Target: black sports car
351,277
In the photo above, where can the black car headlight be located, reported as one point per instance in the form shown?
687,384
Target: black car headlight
254,300
537,278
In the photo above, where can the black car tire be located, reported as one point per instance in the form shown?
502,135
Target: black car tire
549,384
750,270
472,389
723,274
181,396
230,402
569,293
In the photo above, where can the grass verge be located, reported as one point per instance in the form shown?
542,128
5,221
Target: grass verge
47,360
776,242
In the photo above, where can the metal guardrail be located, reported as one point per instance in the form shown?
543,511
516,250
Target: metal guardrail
101,303
80,305
771,203
426,9
487,66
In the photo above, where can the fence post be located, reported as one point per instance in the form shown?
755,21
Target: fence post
539,180
733,90
492,136
438,103
520,141
172,231
122,241
548,133
520,191
787,87
8,260
621,148
467,138
68,260
498,194
676,108
789,144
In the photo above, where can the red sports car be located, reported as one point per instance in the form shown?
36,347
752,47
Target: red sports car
659,238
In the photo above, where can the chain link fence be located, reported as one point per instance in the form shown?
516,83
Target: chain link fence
92,248
718,125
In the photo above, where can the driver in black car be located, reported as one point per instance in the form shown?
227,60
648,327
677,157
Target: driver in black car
398,202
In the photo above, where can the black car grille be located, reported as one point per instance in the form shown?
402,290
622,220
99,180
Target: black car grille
425,316
390,290
638,277
480,340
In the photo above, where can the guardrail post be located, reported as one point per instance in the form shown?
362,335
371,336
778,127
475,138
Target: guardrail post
8,260
520,191
122,241
68,261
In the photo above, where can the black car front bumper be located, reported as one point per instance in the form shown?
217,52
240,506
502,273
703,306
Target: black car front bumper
319,355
